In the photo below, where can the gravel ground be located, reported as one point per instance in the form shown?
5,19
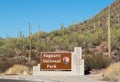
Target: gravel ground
52,78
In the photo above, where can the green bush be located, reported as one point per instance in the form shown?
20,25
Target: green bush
96,61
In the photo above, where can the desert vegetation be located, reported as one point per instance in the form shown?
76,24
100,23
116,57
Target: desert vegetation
91,35
112,73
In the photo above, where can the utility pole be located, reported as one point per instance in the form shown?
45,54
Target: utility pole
109,34
30,42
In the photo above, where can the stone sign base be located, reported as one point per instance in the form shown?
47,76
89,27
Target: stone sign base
77,66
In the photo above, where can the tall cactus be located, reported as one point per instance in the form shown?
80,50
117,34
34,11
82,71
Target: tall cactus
30,42
62,28
38,32
20,39
109,33
118,12
7,36
99,21
94,25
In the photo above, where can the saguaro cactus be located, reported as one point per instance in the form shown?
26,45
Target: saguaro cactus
99,21
94,25
62,28
109,33
118,12
20,39
30,42
38,32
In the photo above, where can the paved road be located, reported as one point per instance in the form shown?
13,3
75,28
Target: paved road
6,80
52,78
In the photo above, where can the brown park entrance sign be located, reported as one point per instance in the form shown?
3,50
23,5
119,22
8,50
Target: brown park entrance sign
55,61
60,64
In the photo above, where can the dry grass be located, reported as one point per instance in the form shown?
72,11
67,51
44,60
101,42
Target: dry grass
18,70
112,73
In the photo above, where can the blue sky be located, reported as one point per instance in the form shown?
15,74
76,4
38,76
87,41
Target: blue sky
50,14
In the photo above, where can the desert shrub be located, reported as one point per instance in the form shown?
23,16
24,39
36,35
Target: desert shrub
96,61
112,73
1,42
6,51
18,70
6,63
